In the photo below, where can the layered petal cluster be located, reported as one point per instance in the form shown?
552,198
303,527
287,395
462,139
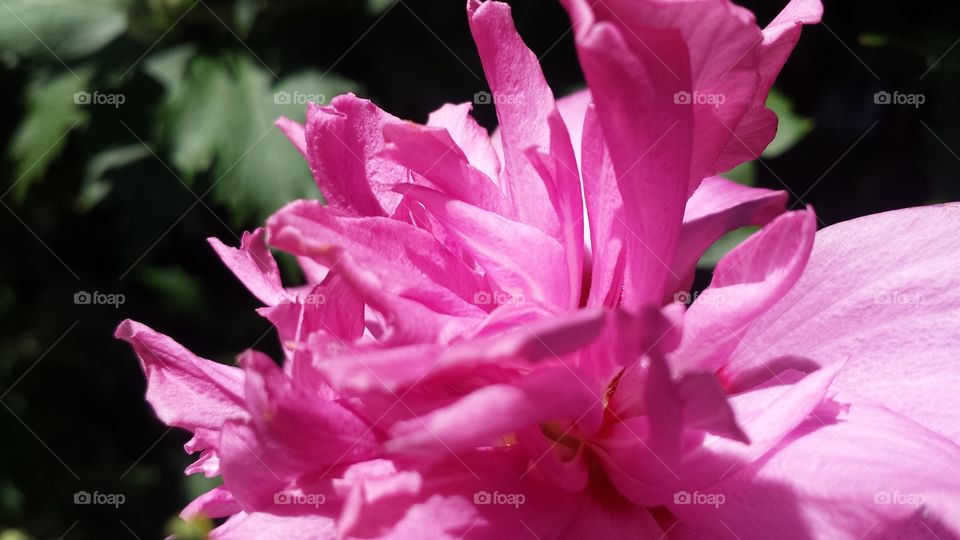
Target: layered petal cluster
497,338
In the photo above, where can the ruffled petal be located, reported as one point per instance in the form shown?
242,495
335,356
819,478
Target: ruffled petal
528,120
216,503
890,309
432,153
497,410
408,261
649,140
746,282
343,143
717,207
254,266
520,260
185,391
470,136
297,429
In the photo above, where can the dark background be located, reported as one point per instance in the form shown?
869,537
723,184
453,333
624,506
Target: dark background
120,199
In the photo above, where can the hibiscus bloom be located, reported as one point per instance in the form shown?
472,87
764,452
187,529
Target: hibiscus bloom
493,340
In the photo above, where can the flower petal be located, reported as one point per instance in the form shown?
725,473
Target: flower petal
266,526
717,207
470,136
408,261
869,473
746,282
529,121
573,109
889,308
610,240
296,132
432,153
185,391
254,266
649,139
758,127
521,260
497,410
649,476
297,429
216,503
343,143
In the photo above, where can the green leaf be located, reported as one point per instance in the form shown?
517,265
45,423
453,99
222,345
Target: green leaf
175,287
744,173
196,485
790,128
197,110
96,185
169,66
873,40
723,246
245,14
13,534
219,119
197,528
291,94
257,169
66,29
378,6
53,110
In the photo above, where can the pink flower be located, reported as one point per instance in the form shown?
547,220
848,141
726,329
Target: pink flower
470,359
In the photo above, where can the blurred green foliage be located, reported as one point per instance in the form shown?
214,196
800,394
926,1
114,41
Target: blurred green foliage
134,129
213,119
